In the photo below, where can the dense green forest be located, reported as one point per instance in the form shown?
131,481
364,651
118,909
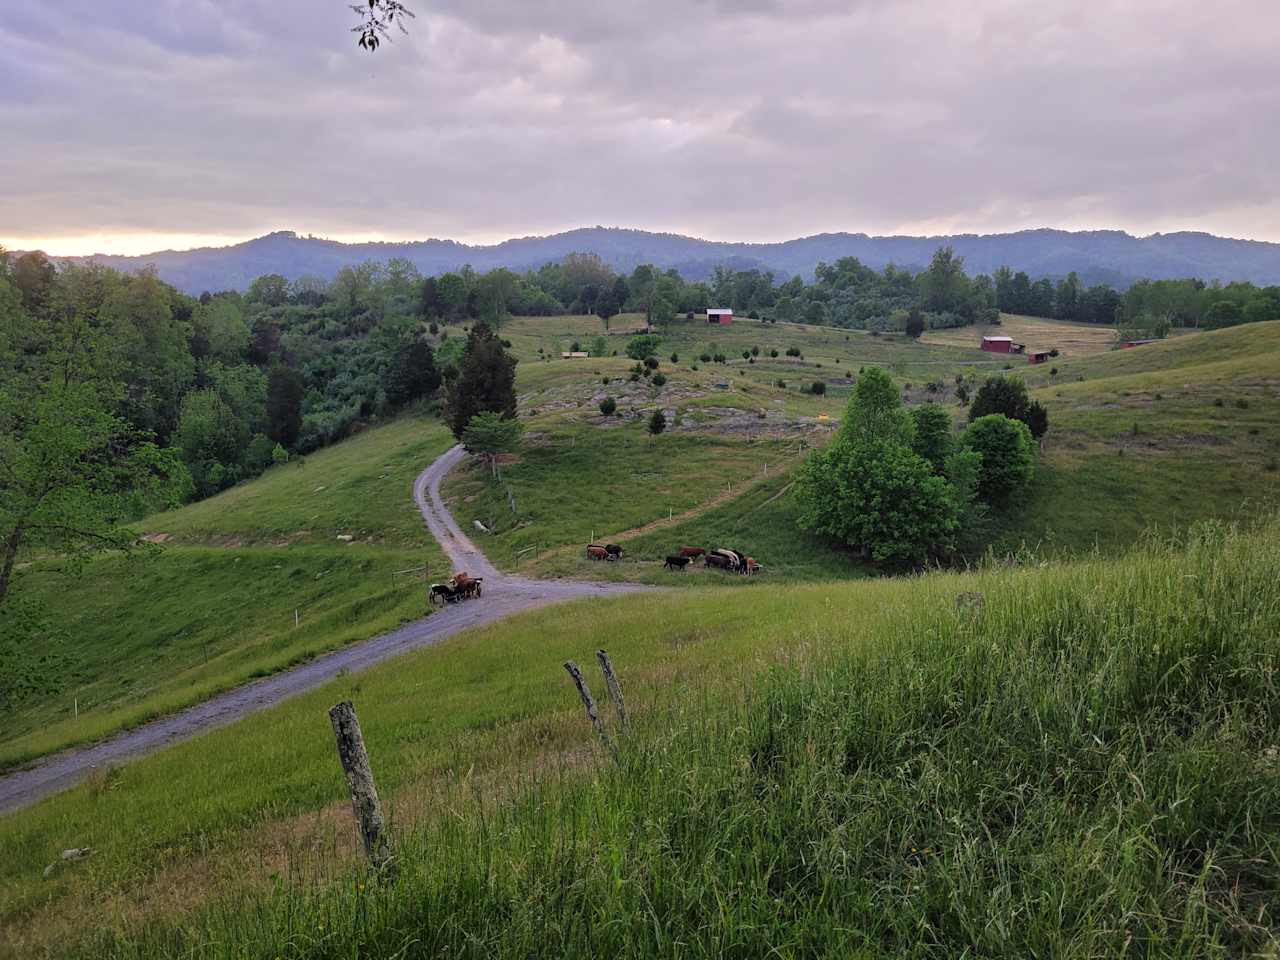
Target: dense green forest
121,394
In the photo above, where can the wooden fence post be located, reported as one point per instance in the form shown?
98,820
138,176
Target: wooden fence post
581,683
615,688
364,795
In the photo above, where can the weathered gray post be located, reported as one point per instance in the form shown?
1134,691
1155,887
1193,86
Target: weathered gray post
364,795
615,688
581,683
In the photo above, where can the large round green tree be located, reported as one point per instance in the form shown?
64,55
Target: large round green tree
870,490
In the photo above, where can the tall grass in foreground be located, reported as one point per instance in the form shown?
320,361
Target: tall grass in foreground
1082,761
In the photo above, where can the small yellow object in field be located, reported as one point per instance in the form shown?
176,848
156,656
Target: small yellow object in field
822,416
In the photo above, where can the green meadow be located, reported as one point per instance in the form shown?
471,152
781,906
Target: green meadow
1065,758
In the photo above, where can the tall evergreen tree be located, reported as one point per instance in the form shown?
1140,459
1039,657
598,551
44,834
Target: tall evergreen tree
284,406
486,381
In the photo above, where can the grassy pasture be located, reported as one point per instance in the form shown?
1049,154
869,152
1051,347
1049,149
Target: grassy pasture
1077,760
1038,333
1164,434
132,640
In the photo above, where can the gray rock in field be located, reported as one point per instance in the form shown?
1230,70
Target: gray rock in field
68,856
345,537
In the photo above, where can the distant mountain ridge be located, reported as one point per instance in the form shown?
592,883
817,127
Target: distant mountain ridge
1110,256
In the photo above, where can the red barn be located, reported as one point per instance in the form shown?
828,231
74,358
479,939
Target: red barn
720,315
1001,345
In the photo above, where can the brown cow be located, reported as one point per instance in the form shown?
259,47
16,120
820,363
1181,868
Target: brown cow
693,553
597,553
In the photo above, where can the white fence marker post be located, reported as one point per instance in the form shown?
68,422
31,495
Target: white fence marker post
295,618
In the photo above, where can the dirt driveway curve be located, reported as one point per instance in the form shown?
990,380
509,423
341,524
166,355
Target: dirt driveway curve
503,595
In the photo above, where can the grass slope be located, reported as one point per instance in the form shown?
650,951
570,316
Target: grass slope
129,640
1073,760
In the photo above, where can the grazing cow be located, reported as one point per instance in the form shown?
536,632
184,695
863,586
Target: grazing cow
676,563
613,550
471,588
442,593
693,553
751,568
597,553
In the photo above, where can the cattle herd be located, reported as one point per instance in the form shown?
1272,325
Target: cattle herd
721,558
459,587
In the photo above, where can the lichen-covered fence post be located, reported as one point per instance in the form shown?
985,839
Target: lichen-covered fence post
615,688
590,704
364,794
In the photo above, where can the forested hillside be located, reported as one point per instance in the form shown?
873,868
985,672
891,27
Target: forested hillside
1102,256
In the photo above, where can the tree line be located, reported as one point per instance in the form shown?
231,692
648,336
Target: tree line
846,294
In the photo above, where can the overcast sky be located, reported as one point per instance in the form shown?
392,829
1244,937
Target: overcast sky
130,125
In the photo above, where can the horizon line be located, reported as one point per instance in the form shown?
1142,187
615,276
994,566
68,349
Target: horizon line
200,242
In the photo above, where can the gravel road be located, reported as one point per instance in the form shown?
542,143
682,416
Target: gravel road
503,596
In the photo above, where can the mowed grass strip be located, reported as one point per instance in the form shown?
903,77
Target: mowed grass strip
1068,760
575,481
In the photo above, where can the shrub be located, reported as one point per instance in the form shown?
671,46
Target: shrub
1053,371
433,327
746,354
1217,401
793,351
1242,403
705,358
773,353
657,423
1008,455
643,347
755,351
818,388
693,366
659,380
675,358
608,406
651,363
633,378
780,384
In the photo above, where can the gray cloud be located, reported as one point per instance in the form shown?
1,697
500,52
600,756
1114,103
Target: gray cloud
752,120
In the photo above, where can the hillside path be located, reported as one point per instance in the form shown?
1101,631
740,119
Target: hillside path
503,596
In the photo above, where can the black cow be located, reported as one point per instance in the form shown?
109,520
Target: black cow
442,593
613,550
720,561
676,563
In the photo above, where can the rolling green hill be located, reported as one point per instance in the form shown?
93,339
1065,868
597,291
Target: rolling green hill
127,640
